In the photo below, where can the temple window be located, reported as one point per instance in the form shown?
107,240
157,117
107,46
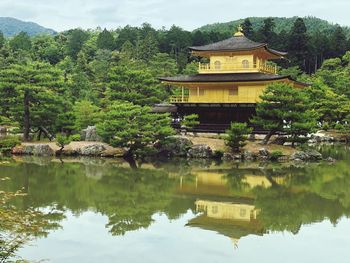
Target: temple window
245,63
214,209
217,65
201,92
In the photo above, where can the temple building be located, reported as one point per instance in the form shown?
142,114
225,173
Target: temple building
227,88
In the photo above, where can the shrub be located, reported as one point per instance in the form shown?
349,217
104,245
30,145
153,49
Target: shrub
75,137
237,135
218,154
275,155
8,142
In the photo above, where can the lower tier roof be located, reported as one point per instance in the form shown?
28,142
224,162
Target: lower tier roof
231,77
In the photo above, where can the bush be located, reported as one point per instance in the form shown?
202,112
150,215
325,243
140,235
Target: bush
275,155
237,135
75,137
8,142
218,154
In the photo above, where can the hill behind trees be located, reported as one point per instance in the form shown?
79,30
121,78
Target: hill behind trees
313,24
11,26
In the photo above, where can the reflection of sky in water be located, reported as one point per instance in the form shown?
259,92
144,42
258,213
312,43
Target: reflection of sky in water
85,239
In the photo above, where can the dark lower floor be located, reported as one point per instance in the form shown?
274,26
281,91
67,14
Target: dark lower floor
217,117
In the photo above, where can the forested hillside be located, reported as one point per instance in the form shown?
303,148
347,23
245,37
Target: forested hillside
313,24
10,26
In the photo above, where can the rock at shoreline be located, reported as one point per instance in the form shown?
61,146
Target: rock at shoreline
309,155
33,149
92,150
202,151
231,156
43,150
175,146
249,156
264,152
90,134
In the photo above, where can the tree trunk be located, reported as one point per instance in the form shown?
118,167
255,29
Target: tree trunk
268,137
26,117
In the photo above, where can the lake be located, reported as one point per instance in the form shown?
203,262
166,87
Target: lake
102,210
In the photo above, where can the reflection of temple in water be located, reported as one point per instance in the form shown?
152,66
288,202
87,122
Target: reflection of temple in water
226,208
234,220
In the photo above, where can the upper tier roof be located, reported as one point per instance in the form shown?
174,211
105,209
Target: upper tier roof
236,43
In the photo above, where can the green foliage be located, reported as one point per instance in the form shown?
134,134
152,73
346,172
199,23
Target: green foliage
62,141
21,41
237,135
190,121
86,114
285,109
75,42
8,142
18,226
275,155
105,40
135,85
75,137
134,127
31,94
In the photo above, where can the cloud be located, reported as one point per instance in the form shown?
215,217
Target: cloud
189,14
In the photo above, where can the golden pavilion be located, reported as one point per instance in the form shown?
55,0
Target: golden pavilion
227,88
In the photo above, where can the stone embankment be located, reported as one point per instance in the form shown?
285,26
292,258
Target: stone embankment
97,149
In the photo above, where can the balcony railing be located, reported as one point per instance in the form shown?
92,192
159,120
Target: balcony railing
178,99
236,68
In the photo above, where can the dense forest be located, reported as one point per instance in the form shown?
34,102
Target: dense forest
65,82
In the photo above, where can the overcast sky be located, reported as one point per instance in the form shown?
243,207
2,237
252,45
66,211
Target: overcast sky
189,14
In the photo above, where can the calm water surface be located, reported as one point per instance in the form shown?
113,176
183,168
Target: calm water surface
180,211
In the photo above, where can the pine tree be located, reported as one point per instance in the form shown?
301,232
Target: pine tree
285,109
33,95
247,28
105,40
298,43
21,41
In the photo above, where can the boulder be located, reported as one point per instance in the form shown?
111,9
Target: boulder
92,150
43,150
314,155
202,151
90,134
3,130
175,146
330,160
249,156
264,152
18,150
113,152
28,149
299,155
309,155
230,157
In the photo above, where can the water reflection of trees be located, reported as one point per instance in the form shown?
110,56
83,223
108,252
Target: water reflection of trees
285,196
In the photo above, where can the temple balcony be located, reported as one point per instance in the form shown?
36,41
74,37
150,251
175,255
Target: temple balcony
207,68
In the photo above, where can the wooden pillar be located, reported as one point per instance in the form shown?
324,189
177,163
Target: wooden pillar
182,94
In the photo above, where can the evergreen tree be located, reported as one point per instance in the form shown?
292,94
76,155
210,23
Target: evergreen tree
285,109
297,44
148,47
338,42
134,127
75,42
247,28
105,40
33,95
134,85
21,41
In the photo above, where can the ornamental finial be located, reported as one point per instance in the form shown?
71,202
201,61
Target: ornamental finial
239,32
